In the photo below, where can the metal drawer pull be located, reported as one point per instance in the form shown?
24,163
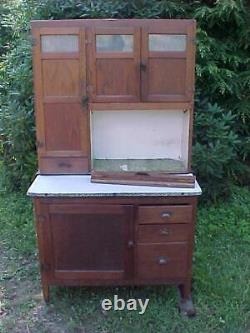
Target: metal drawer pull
64,165
164,231
166,214
162,260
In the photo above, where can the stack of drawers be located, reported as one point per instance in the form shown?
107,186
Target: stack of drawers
164,234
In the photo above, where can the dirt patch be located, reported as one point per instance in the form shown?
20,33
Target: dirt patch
22,309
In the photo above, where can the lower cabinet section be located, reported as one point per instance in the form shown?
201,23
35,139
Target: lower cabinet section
116,241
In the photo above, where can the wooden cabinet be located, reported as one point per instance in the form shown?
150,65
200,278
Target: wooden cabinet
115,97
81,63
97,234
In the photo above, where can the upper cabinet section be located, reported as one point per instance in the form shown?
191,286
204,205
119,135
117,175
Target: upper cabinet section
114,59
127,61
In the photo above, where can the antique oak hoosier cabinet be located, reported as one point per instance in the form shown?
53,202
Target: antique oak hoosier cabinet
115,198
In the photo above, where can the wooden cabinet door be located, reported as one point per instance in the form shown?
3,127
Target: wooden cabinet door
167,65
60,83
89,241
114,56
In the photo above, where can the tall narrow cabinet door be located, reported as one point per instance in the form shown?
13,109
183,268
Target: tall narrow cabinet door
167,67
114,56
89,241
60,83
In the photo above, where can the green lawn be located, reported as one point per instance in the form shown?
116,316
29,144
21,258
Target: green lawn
221,280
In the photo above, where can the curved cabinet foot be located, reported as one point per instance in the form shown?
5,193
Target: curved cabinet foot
186,306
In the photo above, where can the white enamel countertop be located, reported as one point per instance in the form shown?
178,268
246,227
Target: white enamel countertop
80,186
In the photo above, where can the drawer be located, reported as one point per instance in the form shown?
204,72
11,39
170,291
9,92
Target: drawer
63,165
161,233
162,261
164,214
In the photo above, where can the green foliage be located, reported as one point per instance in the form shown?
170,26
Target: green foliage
17,117
215,146
221,153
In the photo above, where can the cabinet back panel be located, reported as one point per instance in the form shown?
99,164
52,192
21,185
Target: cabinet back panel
139,134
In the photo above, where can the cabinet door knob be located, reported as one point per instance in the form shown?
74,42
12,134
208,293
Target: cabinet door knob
163,260
85,101
164,231
166,214
130,244
143,66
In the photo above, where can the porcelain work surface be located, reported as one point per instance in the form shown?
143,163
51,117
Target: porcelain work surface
81,186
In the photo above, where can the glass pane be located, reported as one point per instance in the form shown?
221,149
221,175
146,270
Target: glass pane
160,42
114,43
59,43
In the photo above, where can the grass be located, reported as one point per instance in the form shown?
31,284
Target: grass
221,280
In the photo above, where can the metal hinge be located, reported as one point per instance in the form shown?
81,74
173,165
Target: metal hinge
44,267
41,218
85,101
193,40
89,88
33,41
39,144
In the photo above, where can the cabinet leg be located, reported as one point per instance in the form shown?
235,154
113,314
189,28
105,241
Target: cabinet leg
45,290
186,306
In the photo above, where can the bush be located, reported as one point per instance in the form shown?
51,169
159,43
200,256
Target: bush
222,124
215,148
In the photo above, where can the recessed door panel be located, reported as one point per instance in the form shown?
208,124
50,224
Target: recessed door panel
173,82
61,77
116,77
90,240
64,129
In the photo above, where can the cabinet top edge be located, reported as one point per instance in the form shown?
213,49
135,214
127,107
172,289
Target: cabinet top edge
85,22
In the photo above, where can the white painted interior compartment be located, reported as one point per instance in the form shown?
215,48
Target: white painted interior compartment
140,135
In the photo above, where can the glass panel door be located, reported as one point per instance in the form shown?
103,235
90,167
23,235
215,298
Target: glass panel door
167,69
114,72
